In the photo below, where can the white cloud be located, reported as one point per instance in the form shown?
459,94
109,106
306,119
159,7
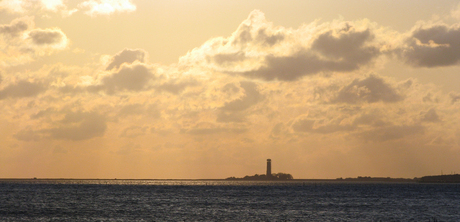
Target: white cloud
107,7
21,42
42,6
15,6
259,50
52,5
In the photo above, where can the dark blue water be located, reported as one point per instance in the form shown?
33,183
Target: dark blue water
213,201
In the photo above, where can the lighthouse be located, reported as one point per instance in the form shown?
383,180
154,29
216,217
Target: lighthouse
269,168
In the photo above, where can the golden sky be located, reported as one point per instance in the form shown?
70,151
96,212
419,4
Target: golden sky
211,89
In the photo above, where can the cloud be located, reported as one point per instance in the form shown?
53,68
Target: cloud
74,126
127,56
259,50
43,6
132,109
278,130
233,111
52,5
430,116
139,109
343,53
22,42
371,89
433,46
391,132
371,119
27,135
456,12
107,7
79,126
204,128
133,131
16,6
134,77
16,27
251,97
319,126
454,97
46,37
22,89
175,86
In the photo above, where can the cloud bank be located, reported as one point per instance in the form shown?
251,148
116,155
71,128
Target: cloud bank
313,94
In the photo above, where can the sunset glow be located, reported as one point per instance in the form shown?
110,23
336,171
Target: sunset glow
212,89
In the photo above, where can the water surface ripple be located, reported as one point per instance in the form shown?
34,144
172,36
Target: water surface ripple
165,200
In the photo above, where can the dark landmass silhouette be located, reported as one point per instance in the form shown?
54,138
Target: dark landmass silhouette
451,178
276,176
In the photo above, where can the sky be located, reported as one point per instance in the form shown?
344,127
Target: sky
200,89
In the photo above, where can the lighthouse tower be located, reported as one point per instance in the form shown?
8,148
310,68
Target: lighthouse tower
269,168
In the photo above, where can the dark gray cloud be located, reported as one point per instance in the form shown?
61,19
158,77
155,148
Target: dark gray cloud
15,28
303,125
371,119
226,58
391,132
69,89
128,78
233,111
429,98
21,89
133,131
176,86
278,130
371,89
139,109
251,33
349,47
127,56
251,97
79,126
269,39
214,130
132,109
437,45
227,117
343,53
307,125
454,97
43,113
46,37
74,126
27,135
430,116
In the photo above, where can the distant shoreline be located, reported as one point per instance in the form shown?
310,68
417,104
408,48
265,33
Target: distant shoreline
95,179
452,178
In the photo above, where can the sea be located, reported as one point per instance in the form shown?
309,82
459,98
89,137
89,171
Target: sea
221,200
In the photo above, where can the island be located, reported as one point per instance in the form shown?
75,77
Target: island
268,176
275,176
450,178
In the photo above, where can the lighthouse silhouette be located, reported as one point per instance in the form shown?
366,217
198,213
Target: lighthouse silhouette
269,168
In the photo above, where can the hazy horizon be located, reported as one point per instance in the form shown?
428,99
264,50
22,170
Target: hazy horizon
211,89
